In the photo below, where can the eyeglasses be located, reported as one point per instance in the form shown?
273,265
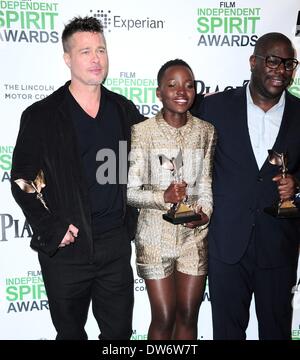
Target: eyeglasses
273,62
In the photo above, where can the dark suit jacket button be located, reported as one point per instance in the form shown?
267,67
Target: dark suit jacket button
260,179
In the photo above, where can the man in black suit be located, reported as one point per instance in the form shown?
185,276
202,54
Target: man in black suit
251,252
76,138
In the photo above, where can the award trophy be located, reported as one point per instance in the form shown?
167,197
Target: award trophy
35,186
284,209
181,212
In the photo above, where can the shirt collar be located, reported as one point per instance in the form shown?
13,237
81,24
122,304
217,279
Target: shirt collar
276,107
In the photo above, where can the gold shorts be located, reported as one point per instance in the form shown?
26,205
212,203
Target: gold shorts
164,247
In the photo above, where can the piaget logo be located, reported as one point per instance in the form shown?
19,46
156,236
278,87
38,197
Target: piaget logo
26,293
28,21
13,228
141,91
203,88
227,25
6,152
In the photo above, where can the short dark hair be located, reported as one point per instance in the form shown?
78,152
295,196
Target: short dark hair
268,38
167,65
80,24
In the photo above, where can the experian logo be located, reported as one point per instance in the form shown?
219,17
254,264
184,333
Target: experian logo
110,21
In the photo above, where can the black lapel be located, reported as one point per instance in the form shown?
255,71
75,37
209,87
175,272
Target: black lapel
242,130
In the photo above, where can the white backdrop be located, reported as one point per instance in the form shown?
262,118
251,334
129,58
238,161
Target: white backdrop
215,37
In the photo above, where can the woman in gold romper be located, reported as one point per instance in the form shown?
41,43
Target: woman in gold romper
172,258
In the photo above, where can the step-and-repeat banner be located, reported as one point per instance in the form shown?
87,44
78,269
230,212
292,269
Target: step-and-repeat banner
215,37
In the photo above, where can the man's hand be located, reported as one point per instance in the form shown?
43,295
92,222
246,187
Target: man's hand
175,192
204,220
70,236
286,186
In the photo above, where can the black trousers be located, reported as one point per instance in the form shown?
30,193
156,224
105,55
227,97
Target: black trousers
107,283
231,288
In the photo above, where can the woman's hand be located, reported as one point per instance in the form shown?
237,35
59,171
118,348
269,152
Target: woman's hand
175,193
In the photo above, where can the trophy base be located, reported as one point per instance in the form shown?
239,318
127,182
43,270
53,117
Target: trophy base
176,220
283,213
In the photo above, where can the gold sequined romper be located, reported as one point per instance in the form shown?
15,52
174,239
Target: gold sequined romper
160,245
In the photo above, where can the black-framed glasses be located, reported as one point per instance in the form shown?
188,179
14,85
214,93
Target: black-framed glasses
273,62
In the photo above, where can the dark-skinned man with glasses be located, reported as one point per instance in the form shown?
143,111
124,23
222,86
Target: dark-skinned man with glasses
250,251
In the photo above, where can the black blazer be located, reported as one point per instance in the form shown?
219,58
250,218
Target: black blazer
47,141
241,191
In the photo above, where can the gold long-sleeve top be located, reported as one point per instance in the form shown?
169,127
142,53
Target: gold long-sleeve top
148,180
